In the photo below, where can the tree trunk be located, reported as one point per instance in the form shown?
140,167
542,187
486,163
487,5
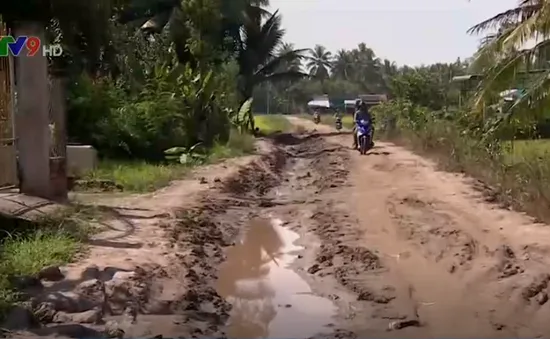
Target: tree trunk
32,115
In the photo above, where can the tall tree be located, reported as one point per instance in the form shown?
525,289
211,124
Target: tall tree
153,16
258,59
319,62
342,66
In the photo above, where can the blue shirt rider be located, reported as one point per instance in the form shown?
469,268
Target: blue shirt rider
361,113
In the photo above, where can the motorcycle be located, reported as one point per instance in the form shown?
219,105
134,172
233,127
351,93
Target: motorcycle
338,124
364,136
316,118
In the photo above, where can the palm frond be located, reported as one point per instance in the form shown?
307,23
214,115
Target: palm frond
510,16
535,97
505,72
276,62
282,76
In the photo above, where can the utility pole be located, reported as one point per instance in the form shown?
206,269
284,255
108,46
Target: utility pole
32,116
268,98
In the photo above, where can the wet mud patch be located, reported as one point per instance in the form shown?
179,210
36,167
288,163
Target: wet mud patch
269,299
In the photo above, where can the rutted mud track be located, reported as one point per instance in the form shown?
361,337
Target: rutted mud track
400,249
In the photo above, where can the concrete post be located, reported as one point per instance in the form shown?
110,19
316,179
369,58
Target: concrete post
32,118
58,159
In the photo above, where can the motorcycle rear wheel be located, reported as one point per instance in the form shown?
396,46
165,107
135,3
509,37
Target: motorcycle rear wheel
363,145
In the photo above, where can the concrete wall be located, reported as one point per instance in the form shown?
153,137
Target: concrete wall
8,167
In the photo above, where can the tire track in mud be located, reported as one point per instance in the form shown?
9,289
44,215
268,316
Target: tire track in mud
377,270
442,263
305,194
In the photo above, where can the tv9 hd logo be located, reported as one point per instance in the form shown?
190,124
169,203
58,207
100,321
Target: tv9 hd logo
29,45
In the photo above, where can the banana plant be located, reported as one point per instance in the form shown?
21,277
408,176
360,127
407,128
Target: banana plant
185,156
244,120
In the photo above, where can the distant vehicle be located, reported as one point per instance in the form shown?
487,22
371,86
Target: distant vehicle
316,117
338,123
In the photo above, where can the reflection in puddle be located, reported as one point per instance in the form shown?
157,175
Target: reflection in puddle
269,299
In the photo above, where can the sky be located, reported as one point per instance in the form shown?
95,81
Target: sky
411,32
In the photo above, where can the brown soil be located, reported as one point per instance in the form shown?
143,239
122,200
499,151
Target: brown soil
400,249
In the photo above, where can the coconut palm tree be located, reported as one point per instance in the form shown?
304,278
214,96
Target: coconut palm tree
155,15
504,58
342,66
367,72
319,64
258,57
290,65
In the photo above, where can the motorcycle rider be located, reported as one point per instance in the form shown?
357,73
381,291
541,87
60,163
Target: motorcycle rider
316,116
338,119
361,113
338,115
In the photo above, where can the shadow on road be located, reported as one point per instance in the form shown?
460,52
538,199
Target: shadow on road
291,139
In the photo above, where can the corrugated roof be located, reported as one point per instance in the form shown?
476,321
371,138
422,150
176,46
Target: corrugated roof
460,78
319,103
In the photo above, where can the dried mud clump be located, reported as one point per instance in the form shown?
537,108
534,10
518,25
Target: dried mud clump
344,262
259,177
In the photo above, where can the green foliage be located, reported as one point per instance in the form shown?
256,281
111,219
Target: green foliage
419,87
186,156
243,120
177,106
172,83
350,73
135,175
272,123
261,58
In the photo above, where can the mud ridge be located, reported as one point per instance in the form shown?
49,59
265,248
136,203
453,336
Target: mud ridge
260,176
327,169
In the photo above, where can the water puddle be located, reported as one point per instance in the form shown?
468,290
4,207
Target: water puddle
269,299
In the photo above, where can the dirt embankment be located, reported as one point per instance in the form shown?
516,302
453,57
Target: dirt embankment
398,248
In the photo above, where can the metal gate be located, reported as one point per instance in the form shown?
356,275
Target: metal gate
8,166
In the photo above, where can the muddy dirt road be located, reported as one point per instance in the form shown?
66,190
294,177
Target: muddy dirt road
313,240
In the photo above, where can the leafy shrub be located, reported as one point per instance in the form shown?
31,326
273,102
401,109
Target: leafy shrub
177,106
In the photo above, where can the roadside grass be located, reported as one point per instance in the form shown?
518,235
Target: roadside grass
136,176
141,176
239,144
520,150
272,123
27,247
517,177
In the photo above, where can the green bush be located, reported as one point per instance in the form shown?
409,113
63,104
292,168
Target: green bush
177,106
